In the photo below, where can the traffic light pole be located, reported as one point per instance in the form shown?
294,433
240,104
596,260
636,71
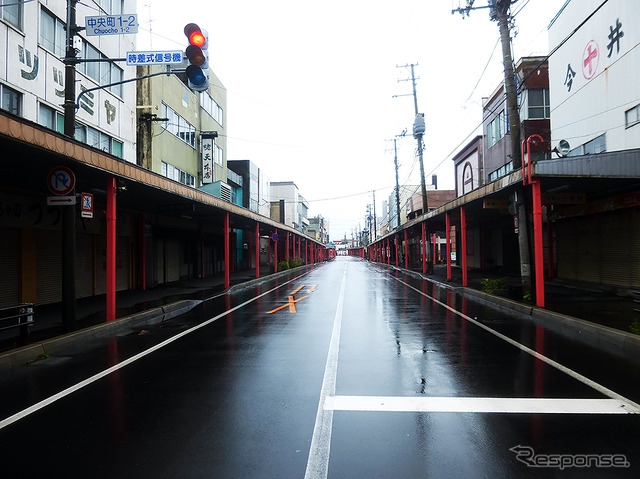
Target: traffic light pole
69,311
70,72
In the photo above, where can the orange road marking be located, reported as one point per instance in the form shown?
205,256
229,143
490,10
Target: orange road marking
298,289
312,289
291,304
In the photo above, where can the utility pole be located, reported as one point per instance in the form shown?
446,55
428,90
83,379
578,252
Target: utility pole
375,226
70,72
499,12
69,310
418,132
395,161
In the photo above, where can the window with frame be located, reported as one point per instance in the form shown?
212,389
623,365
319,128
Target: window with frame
111,7
52,33
632,116
11,100
539,103
12,11
104,72
97,139
178,126
91,69
597,145
50,118
169,171
500,172
496,129
209,105
218,155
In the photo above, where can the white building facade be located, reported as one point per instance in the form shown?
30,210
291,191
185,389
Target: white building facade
595,101
33,36
295,206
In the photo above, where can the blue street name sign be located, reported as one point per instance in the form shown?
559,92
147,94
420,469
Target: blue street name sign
111,24
154,58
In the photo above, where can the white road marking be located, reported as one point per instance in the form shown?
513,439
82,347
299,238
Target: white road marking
318,461
478,405
583,379
50,400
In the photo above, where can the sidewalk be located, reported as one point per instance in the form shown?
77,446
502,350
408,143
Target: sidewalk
583,301
92,311
577,301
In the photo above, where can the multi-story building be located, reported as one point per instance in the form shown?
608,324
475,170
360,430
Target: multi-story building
32,72
595,109
596,105
288,206
181,133
469,166
256,186
533,98
319,229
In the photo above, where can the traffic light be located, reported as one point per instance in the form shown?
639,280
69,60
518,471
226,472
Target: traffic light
197,57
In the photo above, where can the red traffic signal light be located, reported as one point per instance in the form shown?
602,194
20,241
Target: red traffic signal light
196,35
197,57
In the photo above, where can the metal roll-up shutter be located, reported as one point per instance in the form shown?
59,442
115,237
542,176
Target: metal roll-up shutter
566,238
617,249
123,253
122,264
84,265
634,241
49,267
10,261
588,249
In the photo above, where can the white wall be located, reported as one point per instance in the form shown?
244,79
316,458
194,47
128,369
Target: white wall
597,100
46,84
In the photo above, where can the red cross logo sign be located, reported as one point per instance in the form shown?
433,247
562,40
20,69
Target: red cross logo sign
590,59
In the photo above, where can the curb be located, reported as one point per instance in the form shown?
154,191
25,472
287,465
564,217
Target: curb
620,343
256,281
66,342
607,338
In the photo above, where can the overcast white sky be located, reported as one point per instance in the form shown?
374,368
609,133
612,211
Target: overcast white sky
311,86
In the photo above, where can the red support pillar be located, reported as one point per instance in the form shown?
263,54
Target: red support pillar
257,250
463,240
226,250
448,227
306,252
406,251
434,248
249,245
111,249
537,241
424,249
550,269
275,249
287,247
388,251
232,251
395,239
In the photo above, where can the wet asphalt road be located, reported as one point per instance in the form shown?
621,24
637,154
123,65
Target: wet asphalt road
348,371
